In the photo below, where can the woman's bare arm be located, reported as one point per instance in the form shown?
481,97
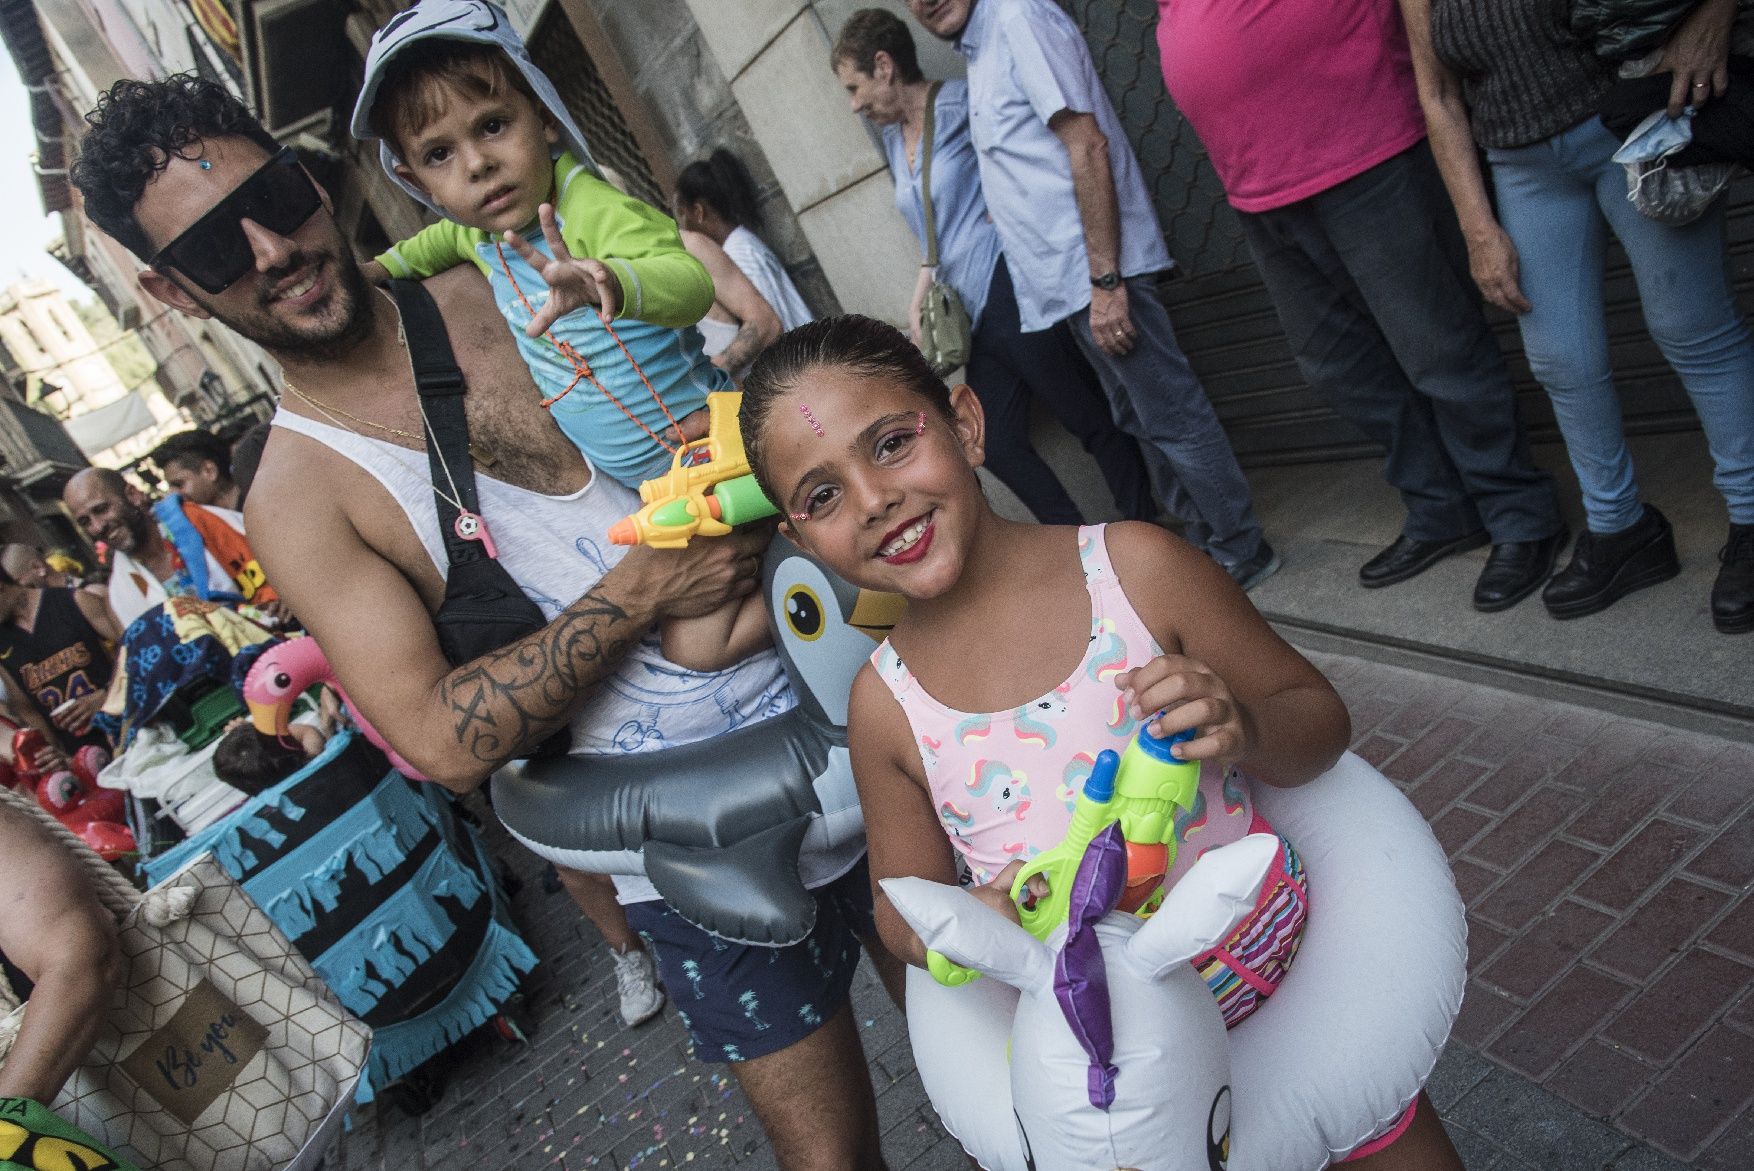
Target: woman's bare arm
1491,255
757,324
53,928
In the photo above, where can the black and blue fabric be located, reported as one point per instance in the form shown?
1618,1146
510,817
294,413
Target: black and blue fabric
741,1001
182,647
385,890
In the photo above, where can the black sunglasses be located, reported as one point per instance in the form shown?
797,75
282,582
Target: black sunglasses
214,252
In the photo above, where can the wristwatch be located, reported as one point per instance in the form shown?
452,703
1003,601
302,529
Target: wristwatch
1108,282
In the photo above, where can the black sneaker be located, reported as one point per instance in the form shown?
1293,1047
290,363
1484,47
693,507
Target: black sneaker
1257,569
1605,568
1732,595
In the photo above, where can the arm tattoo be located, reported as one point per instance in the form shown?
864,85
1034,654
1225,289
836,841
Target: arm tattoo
505,703
743,348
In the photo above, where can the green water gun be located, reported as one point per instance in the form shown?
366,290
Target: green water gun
1141,788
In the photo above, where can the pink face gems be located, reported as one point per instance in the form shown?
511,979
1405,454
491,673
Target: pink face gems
804,409
800,517
920,426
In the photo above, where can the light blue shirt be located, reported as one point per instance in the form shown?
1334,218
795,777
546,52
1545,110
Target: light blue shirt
614,424
968,245
1027,61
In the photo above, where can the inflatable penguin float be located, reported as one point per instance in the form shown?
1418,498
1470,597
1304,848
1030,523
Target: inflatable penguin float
717,826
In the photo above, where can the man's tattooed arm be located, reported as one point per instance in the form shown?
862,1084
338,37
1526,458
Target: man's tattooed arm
505,703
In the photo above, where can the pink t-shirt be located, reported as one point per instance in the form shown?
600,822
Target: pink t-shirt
1290,97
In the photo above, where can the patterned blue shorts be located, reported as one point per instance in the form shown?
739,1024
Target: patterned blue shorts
738,1001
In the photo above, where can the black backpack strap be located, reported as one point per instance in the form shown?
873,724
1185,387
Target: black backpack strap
440,385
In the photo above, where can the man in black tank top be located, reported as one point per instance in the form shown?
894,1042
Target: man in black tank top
56,656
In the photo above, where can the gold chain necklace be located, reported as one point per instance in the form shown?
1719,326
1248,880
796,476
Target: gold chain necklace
468,525
480,455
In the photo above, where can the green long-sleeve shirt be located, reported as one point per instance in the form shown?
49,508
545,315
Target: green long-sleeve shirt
660,282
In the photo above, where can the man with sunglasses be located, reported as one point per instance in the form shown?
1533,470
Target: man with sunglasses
341,511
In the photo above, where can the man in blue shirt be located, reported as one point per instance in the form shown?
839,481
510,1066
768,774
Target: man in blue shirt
1084,246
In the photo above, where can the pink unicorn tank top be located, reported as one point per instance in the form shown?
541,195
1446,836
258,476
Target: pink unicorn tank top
1004,783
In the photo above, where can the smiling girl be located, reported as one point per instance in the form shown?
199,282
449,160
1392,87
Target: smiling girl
1026,649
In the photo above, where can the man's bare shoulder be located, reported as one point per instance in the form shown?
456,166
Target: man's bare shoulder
472,316
309,506
292,465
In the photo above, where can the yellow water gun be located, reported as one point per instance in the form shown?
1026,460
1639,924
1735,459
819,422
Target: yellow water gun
708,491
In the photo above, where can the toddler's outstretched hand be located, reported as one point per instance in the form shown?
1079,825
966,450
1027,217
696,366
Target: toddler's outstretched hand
573,281
1190,695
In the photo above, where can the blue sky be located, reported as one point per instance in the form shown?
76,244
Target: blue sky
28,229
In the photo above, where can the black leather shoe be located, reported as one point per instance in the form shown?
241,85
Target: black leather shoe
1409,558
1604,569
1515,570
1732,595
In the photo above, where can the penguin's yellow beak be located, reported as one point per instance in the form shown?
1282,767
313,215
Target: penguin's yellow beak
876,613
268,719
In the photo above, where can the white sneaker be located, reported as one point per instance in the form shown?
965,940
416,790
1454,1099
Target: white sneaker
636,979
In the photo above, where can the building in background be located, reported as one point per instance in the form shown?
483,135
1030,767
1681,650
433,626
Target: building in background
66,53
64,369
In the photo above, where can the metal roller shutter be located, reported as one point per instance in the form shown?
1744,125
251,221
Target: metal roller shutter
558,52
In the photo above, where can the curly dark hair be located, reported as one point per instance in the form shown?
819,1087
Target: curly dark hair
135,131
193,448
862,345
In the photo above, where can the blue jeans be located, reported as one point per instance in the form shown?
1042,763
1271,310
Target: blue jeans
1370,282
1558,199
1156,398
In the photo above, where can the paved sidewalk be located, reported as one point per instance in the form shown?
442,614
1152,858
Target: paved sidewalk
1608,1023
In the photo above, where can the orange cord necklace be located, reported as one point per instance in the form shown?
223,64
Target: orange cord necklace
582,368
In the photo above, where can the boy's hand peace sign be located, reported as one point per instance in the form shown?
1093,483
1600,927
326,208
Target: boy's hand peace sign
573,282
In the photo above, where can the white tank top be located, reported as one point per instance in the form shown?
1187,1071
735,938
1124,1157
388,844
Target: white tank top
556,548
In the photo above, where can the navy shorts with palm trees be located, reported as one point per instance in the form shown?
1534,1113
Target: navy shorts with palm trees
738,1001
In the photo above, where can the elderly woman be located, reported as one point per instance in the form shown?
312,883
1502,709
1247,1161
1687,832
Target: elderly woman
876,61
1509,76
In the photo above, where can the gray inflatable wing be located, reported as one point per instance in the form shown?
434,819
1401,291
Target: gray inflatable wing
717,826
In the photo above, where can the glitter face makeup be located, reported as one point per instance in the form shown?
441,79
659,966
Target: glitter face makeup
920,427
800,517
804,409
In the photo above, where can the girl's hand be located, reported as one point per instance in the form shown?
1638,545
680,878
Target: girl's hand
997,893
1497,269
1190,695
573,282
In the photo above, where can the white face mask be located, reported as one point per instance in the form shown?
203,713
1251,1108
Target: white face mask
1657,137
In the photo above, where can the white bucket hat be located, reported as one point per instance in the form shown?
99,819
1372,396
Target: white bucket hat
479,21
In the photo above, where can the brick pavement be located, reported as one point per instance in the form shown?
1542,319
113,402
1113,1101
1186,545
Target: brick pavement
1608,1023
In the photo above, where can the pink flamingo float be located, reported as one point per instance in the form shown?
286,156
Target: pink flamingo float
282,673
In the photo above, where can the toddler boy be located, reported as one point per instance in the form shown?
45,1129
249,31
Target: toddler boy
596,285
